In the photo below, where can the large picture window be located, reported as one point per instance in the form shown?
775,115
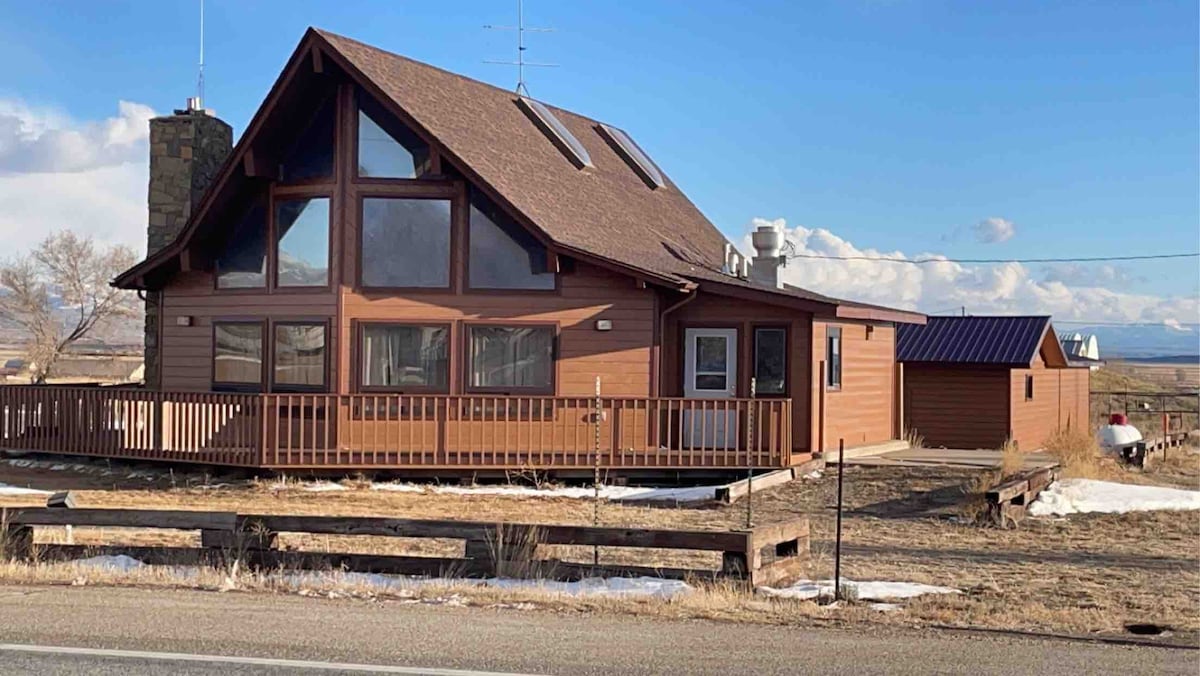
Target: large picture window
511,358
238,355
242,261
300,361
405,242
302,242
833,357
405,357
770,360
503,255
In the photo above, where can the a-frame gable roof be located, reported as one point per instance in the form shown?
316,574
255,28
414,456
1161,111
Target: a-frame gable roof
604,213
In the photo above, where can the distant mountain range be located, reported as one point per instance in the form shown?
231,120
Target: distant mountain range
1162,344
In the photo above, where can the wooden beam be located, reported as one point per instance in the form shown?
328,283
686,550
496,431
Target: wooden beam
257,165
731,493
124,518
318,61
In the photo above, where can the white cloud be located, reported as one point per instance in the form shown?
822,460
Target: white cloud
1009,288
994,230
89,176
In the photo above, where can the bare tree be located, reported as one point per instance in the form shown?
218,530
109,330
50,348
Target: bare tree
60,293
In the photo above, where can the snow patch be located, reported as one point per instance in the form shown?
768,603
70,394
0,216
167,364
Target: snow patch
1078,496
614,493
118,563
7,490
867,591
611,586
324,487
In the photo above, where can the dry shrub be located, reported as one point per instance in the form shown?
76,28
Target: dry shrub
1011,459
975,507
1080,457
914,439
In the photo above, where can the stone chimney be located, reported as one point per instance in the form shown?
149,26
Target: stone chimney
768,243
186,151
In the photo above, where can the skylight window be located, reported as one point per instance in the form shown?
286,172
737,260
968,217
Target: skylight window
635,156
558,133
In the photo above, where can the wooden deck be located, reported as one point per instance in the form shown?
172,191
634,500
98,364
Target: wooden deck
398,432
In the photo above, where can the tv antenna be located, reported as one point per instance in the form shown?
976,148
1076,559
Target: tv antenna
521,63
197,102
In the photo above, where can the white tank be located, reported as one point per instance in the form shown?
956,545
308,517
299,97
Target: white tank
1114,437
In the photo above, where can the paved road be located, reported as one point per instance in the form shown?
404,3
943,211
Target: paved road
422,637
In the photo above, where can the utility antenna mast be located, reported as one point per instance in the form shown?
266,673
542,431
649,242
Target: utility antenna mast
521,63
197,102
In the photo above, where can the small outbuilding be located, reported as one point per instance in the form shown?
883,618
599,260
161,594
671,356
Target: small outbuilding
973,382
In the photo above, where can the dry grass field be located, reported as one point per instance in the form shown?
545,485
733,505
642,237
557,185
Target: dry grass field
1083,574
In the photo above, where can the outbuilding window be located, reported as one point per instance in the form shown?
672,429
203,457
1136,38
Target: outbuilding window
833,358
1029,388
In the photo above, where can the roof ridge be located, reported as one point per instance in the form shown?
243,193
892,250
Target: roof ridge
330,34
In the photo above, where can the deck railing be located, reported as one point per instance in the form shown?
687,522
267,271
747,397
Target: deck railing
389,431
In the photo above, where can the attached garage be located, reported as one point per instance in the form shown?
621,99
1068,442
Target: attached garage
973,382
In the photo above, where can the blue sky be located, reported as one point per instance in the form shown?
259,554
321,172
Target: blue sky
895,124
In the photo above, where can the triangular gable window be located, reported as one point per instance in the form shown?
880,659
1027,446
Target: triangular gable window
503,255
386,148
311,157
242,262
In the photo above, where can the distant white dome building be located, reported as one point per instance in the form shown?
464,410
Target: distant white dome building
1081,348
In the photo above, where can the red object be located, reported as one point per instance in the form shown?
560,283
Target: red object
1118,419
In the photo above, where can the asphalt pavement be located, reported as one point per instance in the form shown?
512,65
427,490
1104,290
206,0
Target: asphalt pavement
154,631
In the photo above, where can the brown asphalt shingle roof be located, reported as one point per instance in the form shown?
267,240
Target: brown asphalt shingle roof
605,210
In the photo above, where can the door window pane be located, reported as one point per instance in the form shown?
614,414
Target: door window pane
833,358
242,262
511,357
300,355
237,353
711,355
710,381
405,356
302,230
405,242
503,255
395,152
311,157
770,361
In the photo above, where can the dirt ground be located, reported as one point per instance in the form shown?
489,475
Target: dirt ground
1086,573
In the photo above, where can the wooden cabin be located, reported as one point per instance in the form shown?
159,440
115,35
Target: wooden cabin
398,267
974,382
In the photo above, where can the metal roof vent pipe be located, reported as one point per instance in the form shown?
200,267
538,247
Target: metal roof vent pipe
768,259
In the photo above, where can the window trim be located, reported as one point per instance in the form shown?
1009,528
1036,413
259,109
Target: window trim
416,192
358,332
830,333
465,351
787,358
222,386
325,370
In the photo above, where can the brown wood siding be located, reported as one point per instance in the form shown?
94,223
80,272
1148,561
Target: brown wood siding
187,351
1060,400
718,311
621,357
957,406
863,411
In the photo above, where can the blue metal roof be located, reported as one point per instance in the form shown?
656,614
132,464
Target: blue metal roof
1007,341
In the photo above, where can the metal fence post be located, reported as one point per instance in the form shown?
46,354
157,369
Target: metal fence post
753,436
599,413
837,543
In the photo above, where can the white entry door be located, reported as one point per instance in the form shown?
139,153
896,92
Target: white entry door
710,372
